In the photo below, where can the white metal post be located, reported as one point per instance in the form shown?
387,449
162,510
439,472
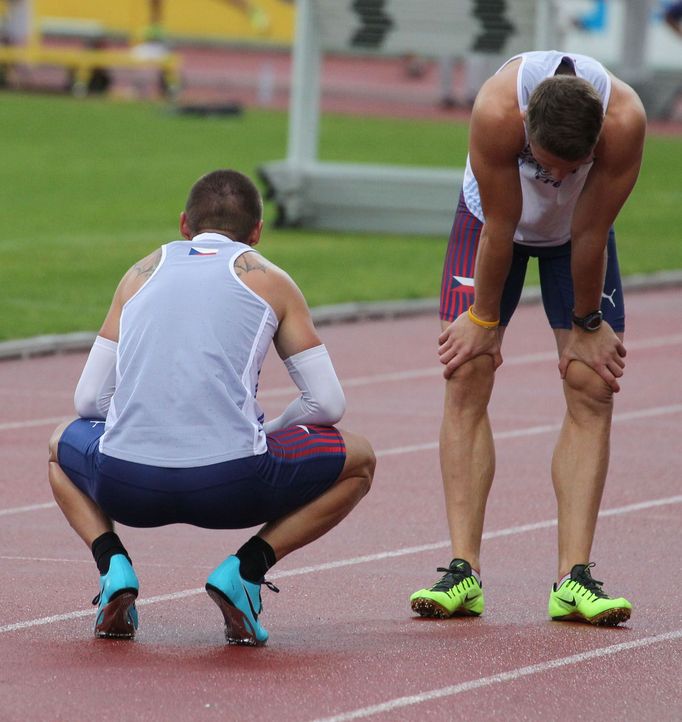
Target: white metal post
634,41
548,31
304,100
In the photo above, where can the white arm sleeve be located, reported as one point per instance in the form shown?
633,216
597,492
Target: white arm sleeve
98,380
321,400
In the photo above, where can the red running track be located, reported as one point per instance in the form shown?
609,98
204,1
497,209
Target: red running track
343,642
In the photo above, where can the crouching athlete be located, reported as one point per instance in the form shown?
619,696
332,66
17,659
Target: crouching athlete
170,430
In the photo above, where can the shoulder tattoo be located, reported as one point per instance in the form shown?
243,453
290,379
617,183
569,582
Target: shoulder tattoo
243,264
148,265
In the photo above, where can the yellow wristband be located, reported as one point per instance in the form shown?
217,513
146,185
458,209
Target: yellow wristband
479,321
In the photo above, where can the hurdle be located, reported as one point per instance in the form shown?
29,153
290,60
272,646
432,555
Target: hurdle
31,50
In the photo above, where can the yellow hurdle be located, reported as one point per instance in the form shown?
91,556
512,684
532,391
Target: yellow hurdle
30,49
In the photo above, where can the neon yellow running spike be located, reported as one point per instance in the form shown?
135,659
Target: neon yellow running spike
582,599
458,592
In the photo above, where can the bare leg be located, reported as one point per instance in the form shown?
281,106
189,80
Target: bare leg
580,461
310,522
467,455
84,516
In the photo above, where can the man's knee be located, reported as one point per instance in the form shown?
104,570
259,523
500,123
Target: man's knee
360,461
470,386
368,462
53,444
585,386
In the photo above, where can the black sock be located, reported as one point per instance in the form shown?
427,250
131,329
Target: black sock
255,558
106,546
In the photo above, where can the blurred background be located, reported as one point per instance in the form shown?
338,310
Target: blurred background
240,49
352,116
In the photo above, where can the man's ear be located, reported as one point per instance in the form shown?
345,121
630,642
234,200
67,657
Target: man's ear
184,227
254,236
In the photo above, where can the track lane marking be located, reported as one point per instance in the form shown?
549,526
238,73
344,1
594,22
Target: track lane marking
542,429
510,676
430,445
352,561
51,421
435,371
29,507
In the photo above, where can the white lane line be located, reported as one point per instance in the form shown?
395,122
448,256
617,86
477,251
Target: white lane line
436,370
391,553
68,616
496,534
65,560
47,620
51,421
45,559
30,507
522,360
430,445
543,429
648,413
427,446
510,676
654,341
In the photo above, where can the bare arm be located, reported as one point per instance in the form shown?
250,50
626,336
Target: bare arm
321,400
495,143
496,138
296,331
618,158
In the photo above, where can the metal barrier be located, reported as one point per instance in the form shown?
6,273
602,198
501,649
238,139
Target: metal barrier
376,197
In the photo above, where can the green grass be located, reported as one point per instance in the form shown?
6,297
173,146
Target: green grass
650,224
90,186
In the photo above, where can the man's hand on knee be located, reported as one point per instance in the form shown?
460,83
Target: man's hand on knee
463,340
601,350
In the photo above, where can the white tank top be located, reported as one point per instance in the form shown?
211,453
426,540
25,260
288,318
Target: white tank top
548,204
191,345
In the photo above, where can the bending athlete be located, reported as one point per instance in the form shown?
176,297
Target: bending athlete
556,145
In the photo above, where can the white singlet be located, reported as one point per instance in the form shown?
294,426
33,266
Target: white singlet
191,344
548,204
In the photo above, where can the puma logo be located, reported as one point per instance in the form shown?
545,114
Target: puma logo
610,297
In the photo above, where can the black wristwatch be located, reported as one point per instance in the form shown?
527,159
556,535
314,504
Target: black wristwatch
590,322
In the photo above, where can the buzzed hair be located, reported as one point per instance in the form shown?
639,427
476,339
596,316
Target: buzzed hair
564,117
227,201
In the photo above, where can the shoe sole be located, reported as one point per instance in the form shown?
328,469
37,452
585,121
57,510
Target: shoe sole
433,610
608,618
237,626
116,622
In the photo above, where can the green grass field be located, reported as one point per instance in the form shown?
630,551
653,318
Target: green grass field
90,186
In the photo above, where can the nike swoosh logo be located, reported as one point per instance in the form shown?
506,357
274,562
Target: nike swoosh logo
248,599
470,598
570,602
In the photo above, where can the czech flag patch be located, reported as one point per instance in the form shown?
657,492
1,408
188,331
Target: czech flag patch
463,281
196,251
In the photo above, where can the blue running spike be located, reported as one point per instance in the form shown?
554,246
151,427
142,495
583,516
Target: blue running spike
118,588
240,603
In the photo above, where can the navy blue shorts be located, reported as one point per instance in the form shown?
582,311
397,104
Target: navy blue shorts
301,463
556,284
